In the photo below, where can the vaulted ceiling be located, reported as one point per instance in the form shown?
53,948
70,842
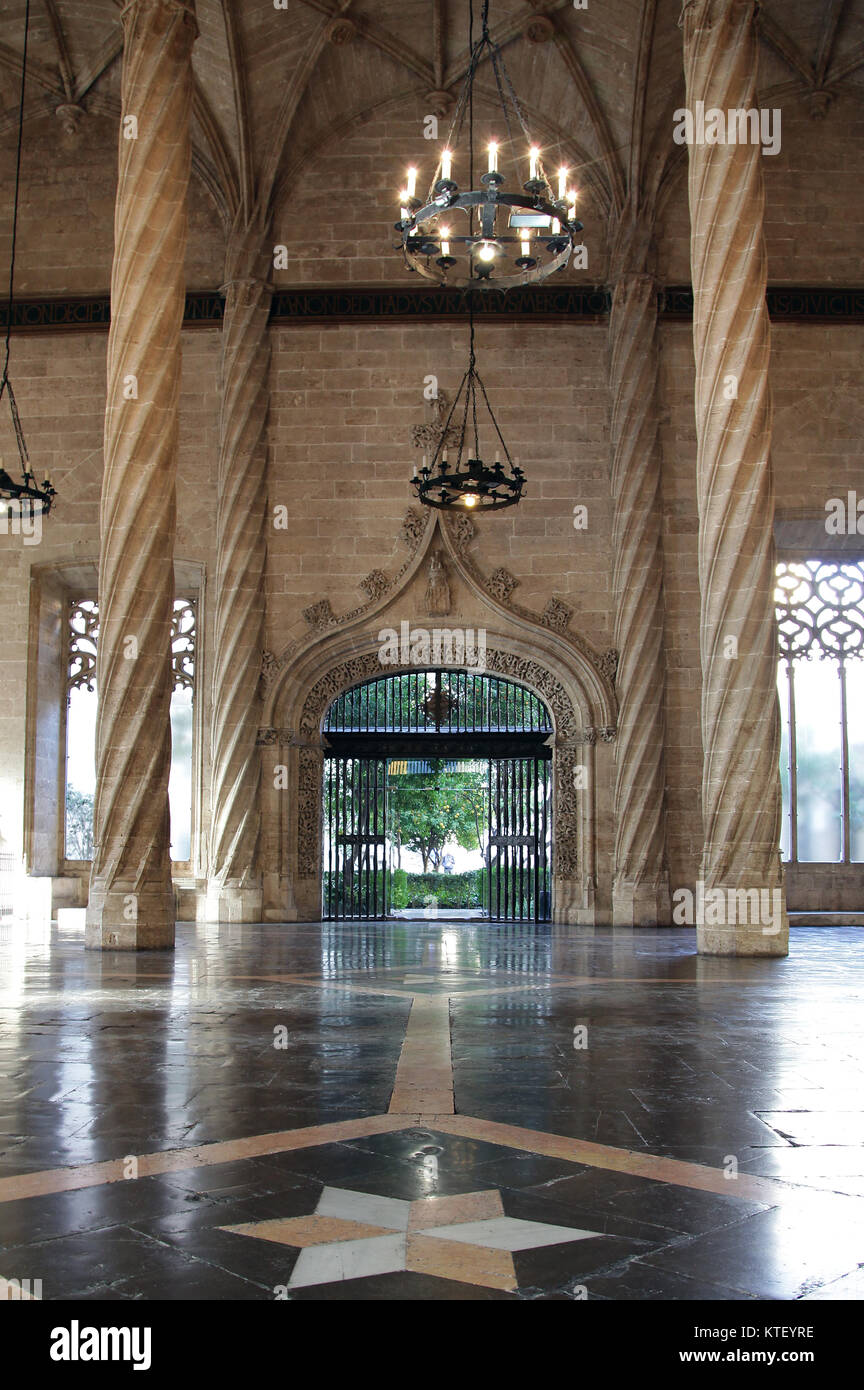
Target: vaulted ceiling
273,86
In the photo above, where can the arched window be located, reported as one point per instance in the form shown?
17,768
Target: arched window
820,614
81,704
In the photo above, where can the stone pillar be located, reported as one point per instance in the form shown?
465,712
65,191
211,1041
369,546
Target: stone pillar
131,895
742,911
234,888
640,891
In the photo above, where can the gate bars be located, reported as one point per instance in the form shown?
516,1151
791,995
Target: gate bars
448,714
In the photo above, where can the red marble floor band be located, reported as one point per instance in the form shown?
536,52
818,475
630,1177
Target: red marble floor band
671,1170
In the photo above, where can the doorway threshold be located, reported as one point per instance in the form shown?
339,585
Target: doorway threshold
458,914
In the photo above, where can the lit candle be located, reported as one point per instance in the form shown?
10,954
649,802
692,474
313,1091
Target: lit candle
562,184
445,244
412,182
535,161
493,157
446,159
526,246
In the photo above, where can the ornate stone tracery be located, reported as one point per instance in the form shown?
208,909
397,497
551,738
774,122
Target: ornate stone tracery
83,640
819,605
184,634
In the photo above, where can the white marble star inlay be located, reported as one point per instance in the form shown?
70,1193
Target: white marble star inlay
354,1235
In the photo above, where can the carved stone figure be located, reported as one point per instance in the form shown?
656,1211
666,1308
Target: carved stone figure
438,587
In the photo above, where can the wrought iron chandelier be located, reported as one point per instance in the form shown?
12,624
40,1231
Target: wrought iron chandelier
469,482
487,237
27,493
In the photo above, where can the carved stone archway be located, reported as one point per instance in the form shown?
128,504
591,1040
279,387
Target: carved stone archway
535,649
573,779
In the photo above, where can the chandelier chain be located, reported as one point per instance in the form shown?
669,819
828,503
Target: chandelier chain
5,383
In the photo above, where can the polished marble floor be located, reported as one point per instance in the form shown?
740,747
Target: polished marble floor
432,1110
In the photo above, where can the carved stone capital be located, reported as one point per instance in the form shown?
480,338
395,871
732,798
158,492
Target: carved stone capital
246,289
271,738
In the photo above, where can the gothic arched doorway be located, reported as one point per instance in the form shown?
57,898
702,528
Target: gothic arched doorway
486,742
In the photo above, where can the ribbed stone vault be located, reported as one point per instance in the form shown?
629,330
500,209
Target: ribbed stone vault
273,85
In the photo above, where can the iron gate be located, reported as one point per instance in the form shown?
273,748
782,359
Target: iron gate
426,715
519,882
355,871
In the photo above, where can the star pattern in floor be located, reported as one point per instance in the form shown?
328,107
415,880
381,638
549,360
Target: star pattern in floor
353,1235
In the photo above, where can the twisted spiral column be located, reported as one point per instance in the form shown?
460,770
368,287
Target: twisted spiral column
131,895
640,893
740,720
234,890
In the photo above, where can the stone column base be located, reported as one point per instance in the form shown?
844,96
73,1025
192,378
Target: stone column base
124,919
641,904
772,940
278,896
574,902
732,921
225,903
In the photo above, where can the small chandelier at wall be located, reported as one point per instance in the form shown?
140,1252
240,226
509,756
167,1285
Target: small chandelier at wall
27,495
485,236
456,477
